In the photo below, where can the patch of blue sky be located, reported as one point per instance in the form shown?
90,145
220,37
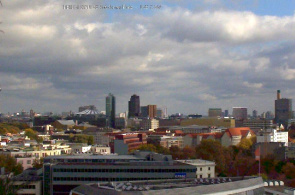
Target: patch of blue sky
262,7
151,7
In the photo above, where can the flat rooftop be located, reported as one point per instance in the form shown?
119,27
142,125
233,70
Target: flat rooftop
176,186
100,157
197,162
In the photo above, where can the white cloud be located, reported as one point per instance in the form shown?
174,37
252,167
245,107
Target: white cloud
207,97
287,73
253,85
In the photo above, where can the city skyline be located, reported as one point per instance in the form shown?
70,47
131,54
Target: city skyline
198,55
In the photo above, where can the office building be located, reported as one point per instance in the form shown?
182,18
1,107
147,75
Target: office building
124,143
269,115
165,112
272,135
149,124
152,111
214,112
63,173
29,182
149,111
283,110
254,114
240,113
111,110
160,113
205,168
169,141
219,122
225,113
258,124
134,106
120,123
144,111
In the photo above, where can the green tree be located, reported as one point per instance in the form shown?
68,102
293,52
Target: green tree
148,147
162,150
213,150
6,186
268,164
10,164
279,166
33,135
38,163
81,139
245,144
8,128
90,140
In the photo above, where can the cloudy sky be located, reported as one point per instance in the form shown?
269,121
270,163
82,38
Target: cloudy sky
187,56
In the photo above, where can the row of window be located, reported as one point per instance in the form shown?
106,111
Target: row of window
88,160
103,179
201,176
22,162
25,186
124,170
209,168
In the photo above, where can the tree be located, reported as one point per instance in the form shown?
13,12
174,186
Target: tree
289,170
162,150
90,140
38,163
154,148
33,135
188,153
6,186
147,147
244,165
268,164
245,144
213,150
175,152
81,139
8,128
10,164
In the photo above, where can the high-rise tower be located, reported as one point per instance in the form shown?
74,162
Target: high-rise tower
134,106
240,113
111,110
283,110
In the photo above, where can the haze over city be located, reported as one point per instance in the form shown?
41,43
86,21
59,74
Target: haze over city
188,56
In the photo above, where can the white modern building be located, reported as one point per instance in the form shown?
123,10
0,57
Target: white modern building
99,149
149,124
80,148
204,168
272,135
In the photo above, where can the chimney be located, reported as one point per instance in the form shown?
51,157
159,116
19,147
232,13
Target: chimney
278,94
